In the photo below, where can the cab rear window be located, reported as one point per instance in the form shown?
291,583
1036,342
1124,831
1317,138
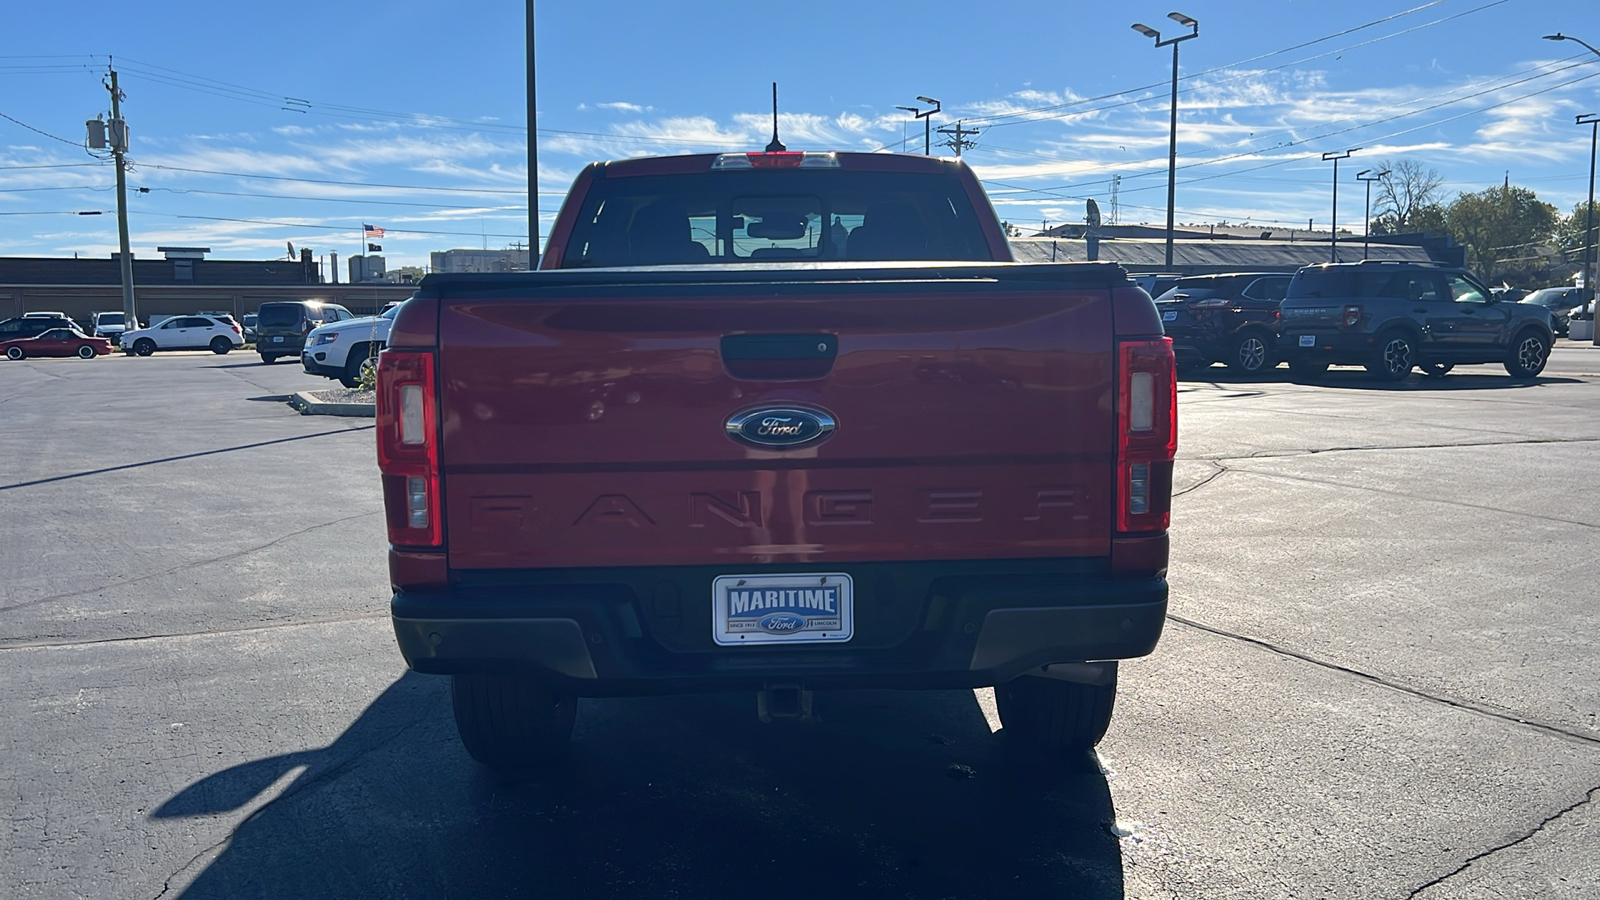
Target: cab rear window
775,216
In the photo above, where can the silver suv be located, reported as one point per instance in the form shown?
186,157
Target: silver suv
1392,317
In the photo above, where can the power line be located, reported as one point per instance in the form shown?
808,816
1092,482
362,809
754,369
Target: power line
39,131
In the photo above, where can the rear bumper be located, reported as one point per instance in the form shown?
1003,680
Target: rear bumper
1330,345
600,640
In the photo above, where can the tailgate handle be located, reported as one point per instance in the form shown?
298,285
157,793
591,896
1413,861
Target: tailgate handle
779,357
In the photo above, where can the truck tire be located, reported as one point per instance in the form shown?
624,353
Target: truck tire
511,723
269,358
1058,717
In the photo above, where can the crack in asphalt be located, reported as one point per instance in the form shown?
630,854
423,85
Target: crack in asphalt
1588,798
216,632
1545,727
166,884
191,565
1221,470
1379,448
1418,497
167,459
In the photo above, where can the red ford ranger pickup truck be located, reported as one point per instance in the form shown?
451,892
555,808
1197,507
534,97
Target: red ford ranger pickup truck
776,422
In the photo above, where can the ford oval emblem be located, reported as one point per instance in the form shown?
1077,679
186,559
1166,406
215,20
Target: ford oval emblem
780,427
781,623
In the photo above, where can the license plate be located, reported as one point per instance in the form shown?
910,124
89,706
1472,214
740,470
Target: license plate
1169,316
1308,340
278,339
804,608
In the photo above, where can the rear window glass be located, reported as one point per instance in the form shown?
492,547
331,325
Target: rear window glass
1403,284
279,315
774,216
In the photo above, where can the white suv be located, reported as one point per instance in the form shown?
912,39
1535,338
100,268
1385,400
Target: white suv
212,333
343,350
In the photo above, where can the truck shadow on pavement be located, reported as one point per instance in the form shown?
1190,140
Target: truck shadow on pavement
675,796
1350,378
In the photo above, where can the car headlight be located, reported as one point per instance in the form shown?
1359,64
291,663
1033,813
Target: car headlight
327,338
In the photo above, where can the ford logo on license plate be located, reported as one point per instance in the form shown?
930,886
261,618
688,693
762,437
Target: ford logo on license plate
780,427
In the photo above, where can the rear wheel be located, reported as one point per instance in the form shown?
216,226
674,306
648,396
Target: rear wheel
1529,352
16,353
144,346
512,723
86,352
1394,354
269,358
1059,717
1251,354
221,345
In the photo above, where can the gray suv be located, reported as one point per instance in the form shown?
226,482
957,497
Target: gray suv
1393,316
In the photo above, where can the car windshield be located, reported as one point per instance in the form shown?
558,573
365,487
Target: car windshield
1549,297
389,313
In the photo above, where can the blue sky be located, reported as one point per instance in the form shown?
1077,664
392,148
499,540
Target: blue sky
259,124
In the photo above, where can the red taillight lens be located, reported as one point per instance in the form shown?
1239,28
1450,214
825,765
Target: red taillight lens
1147,433
1351,317
408,448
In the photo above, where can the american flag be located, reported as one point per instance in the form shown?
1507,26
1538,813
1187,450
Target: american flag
372,230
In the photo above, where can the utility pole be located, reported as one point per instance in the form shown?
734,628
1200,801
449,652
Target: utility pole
533,154
958,138
119,150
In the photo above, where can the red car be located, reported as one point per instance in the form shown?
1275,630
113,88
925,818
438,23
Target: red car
57,342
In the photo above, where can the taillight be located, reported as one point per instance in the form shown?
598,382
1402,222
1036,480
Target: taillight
408,448
235,327
1351,317
1147,433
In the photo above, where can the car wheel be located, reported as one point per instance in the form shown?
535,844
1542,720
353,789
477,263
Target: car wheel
1529,352
511,723
1394,354
1306,370
358,366
86,352
1437,369
221,345
269,358
1251,355
1058,717
144,346
16,353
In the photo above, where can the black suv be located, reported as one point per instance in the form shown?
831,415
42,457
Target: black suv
1230,318
33,325
282,326
1393,316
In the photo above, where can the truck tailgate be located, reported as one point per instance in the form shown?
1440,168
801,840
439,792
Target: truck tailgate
586,422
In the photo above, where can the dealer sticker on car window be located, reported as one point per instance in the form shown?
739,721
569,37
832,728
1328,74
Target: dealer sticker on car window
1169,315
808,607
1308,340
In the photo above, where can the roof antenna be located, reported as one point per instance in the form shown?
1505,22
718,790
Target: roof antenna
776,146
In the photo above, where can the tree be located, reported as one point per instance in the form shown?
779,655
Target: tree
1569,234
1502,224
1408,188
1011,230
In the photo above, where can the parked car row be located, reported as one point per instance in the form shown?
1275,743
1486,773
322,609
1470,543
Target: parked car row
1390,317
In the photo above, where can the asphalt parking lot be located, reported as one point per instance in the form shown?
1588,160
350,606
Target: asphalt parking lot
1378,680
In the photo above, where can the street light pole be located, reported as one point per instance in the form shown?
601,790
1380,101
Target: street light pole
1366,219
1588,228
1333,224
927,122
1172,136
533,151
1593,121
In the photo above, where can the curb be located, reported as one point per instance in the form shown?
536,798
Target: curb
311,406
